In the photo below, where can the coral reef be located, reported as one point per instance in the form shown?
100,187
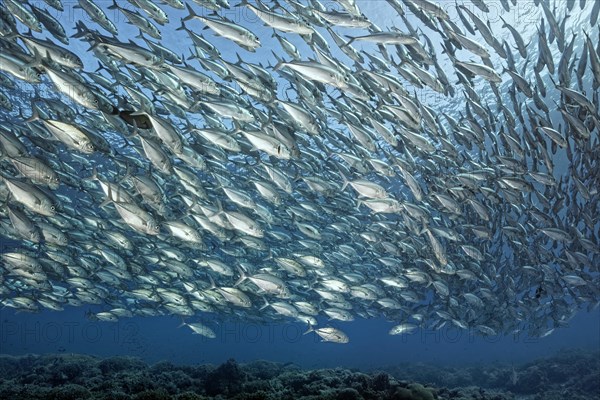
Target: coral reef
572,375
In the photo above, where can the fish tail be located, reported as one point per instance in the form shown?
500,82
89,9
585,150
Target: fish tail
359,203
191,13
219,209
243,277
349,42
109,198
212,282
35,115
127,175
182,323
309,330
504,22
267,304
553,81
346,182
37,61
94,174
182,27
239,59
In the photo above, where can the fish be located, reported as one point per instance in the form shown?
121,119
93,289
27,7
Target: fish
410,173
141,22
483,71
69,134
19,68
343,19
279,22
26,228
387,38
329,334
517,38
317,72
58,54
30,196
200,329
24,14
36,170
154,11
236,33
50,22
97,15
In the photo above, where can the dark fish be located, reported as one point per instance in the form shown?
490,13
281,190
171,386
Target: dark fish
134,119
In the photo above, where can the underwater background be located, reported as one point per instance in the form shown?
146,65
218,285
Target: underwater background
158,339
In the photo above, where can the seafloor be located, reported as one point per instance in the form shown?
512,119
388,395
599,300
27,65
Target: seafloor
569,375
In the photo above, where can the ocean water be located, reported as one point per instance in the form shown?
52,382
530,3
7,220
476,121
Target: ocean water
542,335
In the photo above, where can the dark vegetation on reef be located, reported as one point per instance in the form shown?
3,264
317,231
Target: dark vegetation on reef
573,375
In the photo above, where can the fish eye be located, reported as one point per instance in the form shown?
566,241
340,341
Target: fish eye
52,208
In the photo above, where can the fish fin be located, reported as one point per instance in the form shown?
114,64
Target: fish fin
115,6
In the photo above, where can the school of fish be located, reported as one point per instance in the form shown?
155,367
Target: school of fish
440,172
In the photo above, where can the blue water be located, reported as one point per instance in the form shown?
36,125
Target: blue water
157,339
